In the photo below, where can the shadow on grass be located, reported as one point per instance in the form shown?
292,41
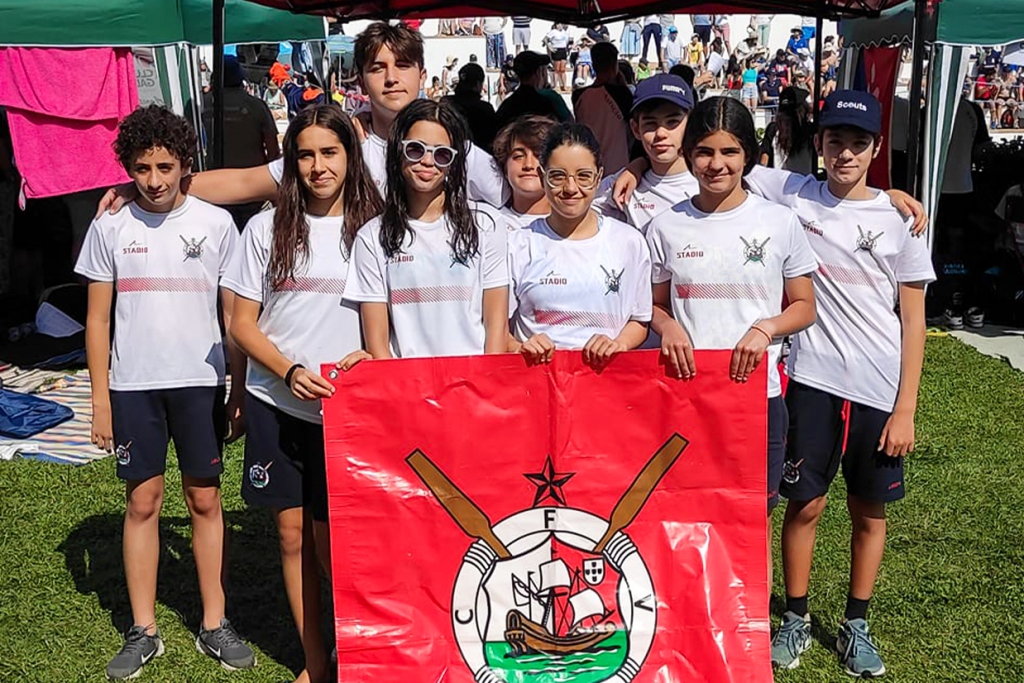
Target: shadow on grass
256,601
820,631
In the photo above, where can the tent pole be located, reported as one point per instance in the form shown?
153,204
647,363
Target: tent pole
218,84
820,26
925,26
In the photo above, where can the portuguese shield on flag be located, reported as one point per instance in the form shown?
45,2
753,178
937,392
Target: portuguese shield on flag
498,522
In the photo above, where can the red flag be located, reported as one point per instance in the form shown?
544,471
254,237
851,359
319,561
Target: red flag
881,69
499,522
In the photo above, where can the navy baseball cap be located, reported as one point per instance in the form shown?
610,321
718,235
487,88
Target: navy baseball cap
851,108
663,87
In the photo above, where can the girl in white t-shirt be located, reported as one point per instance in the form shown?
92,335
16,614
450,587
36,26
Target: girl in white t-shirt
722,261
289,274
557,41
431,273
517,149
579,280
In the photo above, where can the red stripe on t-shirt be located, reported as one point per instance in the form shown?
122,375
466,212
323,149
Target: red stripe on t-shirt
164,284
313,285
722,290
848,276
576,318
431,295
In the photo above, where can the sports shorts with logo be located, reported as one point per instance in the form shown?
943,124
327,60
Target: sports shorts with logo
827,432
778,426
145,421
284,460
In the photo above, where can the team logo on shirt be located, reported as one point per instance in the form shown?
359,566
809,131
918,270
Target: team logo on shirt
135,248
612,280
867,242
192,249
554,278
753,250
459,261
123,454
259,475
791,471
690,251
812,227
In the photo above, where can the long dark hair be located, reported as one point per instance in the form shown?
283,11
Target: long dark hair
721,114
361,199
465,241
794,127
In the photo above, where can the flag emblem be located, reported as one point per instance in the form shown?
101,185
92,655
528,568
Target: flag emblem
551,592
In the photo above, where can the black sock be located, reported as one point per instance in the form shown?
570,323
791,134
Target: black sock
856,609
797,605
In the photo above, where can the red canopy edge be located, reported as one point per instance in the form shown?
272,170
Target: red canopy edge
580,13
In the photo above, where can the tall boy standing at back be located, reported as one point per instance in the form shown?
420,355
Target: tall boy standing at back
855,373
164,256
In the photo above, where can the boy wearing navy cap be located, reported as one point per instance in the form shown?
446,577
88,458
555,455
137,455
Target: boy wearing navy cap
661,104
854,374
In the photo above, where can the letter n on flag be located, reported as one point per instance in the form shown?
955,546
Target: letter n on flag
497,522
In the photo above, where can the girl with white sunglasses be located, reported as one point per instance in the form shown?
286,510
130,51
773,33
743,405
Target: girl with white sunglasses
431,273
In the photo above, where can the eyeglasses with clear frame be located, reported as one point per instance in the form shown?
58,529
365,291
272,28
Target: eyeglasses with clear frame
586,178
443,155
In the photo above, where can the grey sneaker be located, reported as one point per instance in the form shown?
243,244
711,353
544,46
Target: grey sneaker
224,645
857,651
791,640
138,649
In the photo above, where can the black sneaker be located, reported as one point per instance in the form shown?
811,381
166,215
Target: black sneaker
139,648
224,645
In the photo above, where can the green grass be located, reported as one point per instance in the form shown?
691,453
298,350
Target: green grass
947,607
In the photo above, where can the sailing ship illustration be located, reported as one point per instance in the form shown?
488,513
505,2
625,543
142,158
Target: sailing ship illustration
572,615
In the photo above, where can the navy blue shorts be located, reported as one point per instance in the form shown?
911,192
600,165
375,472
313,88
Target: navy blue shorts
818,429
145,421
285,465
778,426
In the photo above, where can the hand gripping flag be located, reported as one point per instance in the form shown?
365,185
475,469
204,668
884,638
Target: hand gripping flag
549,524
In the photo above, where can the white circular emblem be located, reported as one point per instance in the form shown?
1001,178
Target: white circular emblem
555,610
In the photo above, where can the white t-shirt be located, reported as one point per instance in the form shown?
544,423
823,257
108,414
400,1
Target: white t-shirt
728,270
557,39
515,220
485,181
652,19
494,25
304,317
165,268
435,303
653,195
571,290
864,249
674,49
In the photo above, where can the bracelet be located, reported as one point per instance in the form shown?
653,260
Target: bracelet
759,329
291,371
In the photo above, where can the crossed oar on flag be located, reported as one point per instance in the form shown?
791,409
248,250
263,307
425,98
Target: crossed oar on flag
476,524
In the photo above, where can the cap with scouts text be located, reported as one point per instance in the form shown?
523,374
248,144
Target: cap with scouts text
851,108
663,87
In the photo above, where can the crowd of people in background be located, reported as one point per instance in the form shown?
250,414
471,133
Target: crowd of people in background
997,87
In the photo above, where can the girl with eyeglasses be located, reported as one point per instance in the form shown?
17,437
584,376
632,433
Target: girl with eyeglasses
579,280
288,273
431,273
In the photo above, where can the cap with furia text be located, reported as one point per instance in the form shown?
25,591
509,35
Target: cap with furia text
851,108
663,87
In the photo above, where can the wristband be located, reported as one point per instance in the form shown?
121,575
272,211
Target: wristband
291,372
755,327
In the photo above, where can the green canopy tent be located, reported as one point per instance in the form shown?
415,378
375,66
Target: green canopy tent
161,33
114,23
954,28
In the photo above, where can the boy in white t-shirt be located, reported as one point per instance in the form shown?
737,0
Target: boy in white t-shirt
517,149
661,104
861,360
164,255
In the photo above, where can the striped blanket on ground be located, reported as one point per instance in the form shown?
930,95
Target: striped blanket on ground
68,442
